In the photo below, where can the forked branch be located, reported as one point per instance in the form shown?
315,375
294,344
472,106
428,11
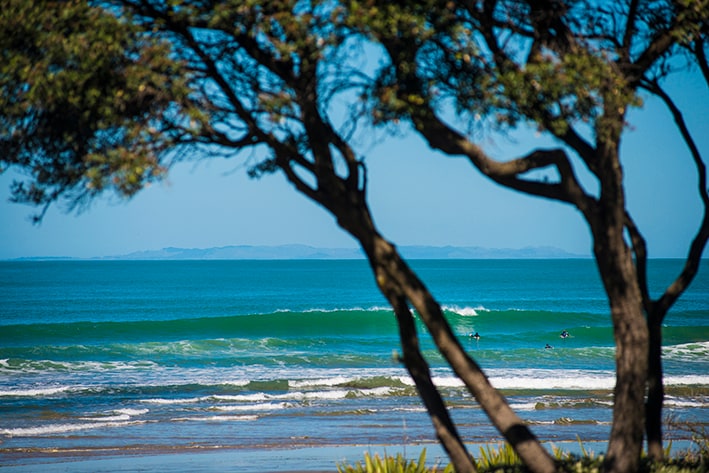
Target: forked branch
699,242
509,174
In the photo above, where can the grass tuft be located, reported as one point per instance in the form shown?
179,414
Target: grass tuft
503,459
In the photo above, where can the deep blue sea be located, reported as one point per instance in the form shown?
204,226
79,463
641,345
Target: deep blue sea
106,357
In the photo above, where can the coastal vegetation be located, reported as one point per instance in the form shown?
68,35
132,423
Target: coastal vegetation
106,95
503,459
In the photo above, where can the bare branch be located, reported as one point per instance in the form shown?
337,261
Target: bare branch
630,28
442,137
701,56
700,240
640,250
420,372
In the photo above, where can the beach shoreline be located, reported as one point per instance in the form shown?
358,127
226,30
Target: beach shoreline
287,459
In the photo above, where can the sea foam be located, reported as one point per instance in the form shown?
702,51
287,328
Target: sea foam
34,392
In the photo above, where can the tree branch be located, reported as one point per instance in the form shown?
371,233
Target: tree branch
420,372
699,242
442,137
394,271
701,56
630,29
640,250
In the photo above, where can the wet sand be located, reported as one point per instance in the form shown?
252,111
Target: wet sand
287,460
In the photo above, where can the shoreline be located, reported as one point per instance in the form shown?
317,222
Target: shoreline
298,459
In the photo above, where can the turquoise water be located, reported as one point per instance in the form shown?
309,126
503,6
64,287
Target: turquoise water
164,356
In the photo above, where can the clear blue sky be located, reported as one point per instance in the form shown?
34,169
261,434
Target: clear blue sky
418,198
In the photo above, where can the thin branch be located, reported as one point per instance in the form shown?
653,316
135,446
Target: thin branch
504,62
658,47
440,136
630,28
699,242
420,372
640,250
701,56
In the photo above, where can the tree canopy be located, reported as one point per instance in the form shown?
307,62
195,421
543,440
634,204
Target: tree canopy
90,102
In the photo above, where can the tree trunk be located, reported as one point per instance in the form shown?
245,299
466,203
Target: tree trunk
418,369
631,357
656,392
391,269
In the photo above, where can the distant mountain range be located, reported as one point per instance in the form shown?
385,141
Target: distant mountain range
310,252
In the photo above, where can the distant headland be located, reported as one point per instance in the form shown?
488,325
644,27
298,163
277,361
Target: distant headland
310,252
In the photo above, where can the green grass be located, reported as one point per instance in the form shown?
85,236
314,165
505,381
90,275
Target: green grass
503,459
389,464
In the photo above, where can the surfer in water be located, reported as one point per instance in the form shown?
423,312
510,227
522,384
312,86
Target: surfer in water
564,334
547,347
475,335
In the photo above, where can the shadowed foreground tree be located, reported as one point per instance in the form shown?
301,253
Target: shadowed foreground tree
258,79
571,69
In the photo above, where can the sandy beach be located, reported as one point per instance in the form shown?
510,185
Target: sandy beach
286,460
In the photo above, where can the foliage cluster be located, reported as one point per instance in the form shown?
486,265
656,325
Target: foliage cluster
89,101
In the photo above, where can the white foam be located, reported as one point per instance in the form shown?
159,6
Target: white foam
132,412
45,366
687,380
266,406
343,309
216,418
553,379
35,392
675,402
409,409
585,383
337,394
256,397
534,379
691,352
62,428
380,391
171,401
464,311
118,418
334,381
524,406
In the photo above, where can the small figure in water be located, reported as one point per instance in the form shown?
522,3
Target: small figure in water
476,336
396,357
564,334
548,346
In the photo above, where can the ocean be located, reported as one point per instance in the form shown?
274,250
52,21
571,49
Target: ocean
275,361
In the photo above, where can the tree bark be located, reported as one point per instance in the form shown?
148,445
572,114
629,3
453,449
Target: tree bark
419,370
631,358
391,269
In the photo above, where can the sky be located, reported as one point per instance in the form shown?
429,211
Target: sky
418,197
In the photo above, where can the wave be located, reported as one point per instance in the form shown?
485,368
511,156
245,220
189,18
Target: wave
242,418
692,351
64,428
34,392
281,326
463,311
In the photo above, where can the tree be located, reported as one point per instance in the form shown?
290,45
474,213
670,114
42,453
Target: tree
572,69
257,78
